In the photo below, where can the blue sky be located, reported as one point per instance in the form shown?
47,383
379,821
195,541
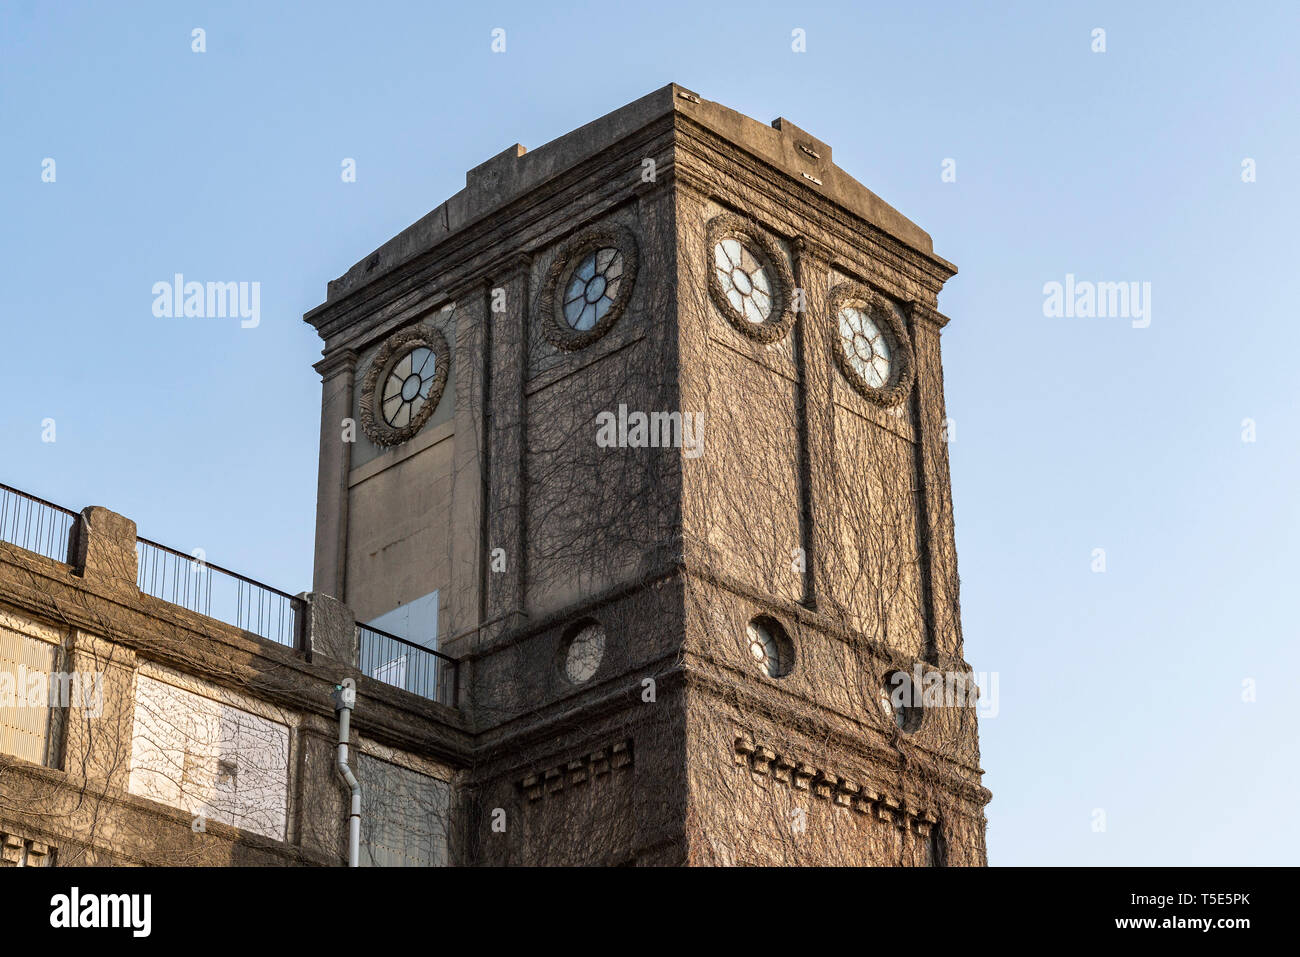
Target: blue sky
1119,690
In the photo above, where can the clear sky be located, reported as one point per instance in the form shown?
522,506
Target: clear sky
1119,690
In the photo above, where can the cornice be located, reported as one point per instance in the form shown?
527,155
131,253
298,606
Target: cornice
577,771
784,190
920,312
812,252
470,254
603,180
833,729
340,360
514,266
883,802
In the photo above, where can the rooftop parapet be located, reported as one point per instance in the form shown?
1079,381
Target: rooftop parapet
515,171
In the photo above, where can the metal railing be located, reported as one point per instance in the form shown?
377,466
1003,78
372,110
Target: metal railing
404,664
199,586
35,524
217,592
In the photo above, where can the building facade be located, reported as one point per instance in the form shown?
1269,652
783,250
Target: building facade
155,709
644,433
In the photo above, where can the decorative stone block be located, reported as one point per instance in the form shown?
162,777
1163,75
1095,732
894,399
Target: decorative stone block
11,854
554,780
824,784
782,768
532,786
803,774
621,755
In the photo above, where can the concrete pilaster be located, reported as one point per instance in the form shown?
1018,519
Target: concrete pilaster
338,375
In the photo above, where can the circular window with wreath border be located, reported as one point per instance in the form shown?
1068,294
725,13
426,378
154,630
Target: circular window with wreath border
871,348
403,385
588,286
749,280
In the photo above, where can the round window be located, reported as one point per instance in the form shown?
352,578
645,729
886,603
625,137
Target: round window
745,280
865,346
404,384
587,286
584,651
872,350
770,647
593,288
409,386
749,280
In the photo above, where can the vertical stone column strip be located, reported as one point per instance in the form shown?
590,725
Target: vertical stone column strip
813,331
692,311
507,316
657,279
98,724
460,613
100,721
338,380
319,808
944,644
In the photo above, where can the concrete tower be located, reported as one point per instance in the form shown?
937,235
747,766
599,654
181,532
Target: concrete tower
646,428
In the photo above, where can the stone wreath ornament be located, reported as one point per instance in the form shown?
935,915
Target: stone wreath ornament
588,286
749,280
872,349
404,384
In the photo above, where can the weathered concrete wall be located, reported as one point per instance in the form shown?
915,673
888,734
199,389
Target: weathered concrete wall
398,517
830,511
598,517
128,780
